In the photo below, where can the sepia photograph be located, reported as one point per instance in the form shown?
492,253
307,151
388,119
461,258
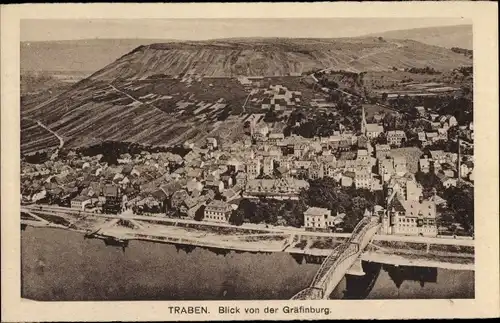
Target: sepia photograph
218,162
247,159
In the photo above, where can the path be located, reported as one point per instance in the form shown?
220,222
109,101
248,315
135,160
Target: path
462,241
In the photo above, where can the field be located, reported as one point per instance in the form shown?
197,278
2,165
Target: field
35,138
165,94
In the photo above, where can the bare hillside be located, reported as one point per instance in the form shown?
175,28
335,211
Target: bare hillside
449,36
276,57
139,97
85,56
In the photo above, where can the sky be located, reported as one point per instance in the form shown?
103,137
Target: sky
203,29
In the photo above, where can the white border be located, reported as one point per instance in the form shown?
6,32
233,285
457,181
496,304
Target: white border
485,25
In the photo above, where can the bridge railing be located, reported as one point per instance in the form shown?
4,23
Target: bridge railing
308,293
350,251
344,251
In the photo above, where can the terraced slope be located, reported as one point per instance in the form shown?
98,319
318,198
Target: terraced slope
138,99
275,57
35,138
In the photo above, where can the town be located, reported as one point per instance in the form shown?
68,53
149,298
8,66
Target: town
414,169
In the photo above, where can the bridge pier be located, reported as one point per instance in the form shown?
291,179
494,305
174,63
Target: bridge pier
343,260
356,269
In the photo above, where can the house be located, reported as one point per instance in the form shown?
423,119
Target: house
346,180
446,181
438,156
39,196
442,134
232,193
363,179
281,188
211,143
316,170
400,165
386,168
80,201
216,185
217,211
193,185
414,218
178,198
449,172
253,168
274,138
241,178
409,214
114,198
396,137
316,218
373,130
189,206
268,166
465,169
424,164
421,111
227,180
382,151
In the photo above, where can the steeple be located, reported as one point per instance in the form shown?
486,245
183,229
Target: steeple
363,121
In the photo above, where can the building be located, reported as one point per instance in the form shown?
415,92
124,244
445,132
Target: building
363,179
274,138
409,214
370,130
400,165
425,164
316,170
363,157
253,168
211,143
80,201
421,111
316,218
382,151
281,188
268,166
395,137
373,130
217,211
386,168
113,197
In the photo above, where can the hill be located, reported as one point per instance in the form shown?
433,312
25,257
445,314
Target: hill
140,97
277,57
85,56
448,36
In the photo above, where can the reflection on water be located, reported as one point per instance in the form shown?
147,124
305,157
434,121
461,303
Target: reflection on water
61,265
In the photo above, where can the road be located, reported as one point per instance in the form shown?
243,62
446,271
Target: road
398,45
61,139
271,229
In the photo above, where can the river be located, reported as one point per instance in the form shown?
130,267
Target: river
62,265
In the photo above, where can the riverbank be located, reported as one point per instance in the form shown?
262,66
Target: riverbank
254,243
60,265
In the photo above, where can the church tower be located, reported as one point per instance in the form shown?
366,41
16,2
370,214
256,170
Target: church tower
363,121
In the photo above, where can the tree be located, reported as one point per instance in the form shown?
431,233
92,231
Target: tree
461,201
200,213
381,139
237,217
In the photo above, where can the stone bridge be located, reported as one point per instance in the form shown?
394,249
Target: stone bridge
336,265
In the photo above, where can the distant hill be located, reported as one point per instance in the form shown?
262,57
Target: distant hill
85,56
139,98
447,36
277,57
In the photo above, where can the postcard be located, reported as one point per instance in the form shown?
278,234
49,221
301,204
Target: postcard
294,161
